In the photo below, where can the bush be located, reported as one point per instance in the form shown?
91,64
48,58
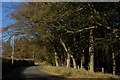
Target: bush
67,74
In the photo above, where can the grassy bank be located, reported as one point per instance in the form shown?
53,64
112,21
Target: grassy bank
75,73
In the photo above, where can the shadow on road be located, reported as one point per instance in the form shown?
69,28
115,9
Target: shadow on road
33,73
29,73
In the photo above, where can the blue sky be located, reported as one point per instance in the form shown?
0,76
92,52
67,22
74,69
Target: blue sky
0,14
7,8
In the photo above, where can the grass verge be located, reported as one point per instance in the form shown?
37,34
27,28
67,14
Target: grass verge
41,63
75,73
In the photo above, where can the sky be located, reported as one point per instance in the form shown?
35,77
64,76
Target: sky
8,8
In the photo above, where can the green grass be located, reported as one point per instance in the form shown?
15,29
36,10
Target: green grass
75,73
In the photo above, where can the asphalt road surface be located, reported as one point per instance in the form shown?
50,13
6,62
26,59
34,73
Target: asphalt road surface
30,73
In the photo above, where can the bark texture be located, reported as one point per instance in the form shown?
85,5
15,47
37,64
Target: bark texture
91,52
55,52
74,62
56,59
114,65
67,51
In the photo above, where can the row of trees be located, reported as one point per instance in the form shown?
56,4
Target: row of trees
70,34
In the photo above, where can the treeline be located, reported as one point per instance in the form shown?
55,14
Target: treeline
85,35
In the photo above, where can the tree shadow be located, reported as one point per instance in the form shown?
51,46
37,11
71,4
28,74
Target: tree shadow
33,73
29,73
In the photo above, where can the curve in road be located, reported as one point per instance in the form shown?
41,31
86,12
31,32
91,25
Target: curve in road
30,73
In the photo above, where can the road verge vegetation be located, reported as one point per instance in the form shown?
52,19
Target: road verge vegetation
75,73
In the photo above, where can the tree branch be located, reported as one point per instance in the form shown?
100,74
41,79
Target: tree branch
80,30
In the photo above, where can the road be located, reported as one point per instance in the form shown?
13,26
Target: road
30,73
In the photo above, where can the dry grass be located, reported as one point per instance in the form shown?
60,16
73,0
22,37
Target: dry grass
75,73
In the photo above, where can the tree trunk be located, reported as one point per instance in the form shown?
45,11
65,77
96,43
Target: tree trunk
33,55
91,52
63,44
74,62
55,52
67,51
113,54
56,59
82,59
114,65
68,60
13,49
